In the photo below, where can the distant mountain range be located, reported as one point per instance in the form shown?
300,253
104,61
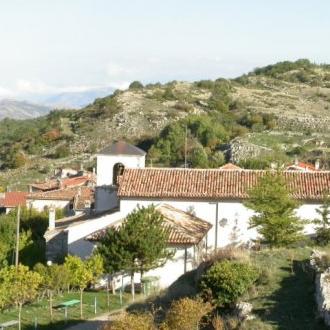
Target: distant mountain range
21,109
74,100
37,106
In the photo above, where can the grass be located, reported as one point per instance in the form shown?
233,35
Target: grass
39,311
283,300
286,300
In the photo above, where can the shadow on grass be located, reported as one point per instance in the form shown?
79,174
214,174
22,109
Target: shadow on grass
76,324
292,306
185,286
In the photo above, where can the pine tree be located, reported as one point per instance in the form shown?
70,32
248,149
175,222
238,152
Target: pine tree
275,219
323,223
138,245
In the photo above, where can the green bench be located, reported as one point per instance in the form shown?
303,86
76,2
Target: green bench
8,324
67,304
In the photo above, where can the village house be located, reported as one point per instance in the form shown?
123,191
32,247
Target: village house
215,196
12,199
73,200
301,166
88,179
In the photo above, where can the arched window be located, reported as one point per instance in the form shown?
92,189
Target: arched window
118,170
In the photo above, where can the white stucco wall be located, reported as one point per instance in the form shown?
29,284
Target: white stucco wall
174,268
77,232
233,223
41,204
233,217
105,164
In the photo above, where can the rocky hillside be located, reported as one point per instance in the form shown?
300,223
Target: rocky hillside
274,113
21,109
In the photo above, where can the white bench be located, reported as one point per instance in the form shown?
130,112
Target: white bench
8,324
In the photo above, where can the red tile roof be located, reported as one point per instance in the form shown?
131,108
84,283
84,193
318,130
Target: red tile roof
13,199
78,194
63,183
183,227
301,165
214,183
230,166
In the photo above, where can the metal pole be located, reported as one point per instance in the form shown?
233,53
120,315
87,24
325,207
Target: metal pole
216,226
185,150
95,305
17,235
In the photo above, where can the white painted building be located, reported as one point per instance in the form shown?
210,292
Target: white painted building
111,162
213,195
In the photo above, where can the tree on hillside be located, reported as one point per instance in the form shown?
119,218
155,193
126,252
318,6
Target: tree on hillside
323,229
138,245
80,275
20,285
275,219
83,272
54,279
135,85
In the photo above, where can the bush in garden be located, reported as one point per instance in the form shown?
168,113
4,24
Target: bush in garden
132,321
226,281
186,314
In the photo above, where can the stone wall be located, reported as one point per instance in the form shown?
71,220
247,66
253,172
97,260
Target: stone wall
322,284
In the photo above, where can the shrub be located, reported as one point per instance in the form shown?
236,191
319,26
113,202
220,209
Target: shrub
322,236
61,152
226,281
135,85
132,321
186,314
229,253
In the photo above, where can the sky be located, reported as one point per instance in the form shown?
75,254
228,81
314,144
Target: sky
53,46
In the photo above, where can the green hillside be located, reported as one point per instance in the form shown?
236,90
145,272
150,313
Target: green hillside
271,114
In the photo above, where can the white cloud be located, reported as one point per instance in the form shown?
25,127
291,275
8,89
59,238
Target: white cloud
26,87
5,92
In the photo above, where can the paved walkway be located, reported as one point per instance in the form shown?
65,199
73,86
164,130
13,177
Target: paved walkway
96,323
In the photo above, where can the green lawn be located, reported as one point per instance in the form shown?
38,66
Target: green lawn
286,301
40,310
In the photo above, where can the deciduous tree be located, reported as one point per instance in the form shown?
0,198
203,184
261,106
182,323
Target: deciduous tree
21,286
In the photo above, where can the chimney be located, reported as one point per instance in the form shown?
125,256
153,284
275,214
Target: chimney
60,183
51,218
296,161
94,170
317,164
273,165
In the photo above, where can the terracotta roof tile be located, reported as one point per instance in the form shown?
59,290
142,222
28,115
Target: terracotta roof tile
64,183
80,195
214,183
230,166
183,227
13,199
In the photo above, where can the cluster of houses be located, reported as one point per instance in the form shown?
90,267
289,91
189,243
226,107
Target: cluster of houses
203,208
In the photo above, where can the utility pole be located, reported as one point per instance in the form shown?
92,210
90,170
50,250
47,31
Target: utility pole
185,148
17,234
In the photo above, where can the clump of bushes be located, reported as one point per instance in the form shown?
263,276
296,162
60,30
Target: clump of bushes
226,281
62,151
135,85
126,321
186,314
